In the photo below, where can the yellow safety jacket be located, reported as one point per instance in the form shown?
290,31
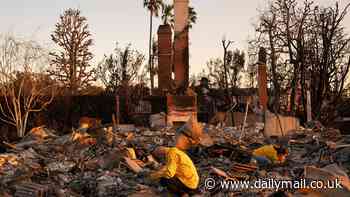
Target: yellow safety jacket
178,165
267,151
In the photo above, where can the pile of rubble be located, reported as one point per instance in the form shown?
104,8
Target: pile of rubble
113,162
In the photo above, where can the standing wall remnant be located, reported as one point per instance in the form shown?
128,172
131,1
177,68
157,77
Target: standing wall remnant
164,57
262,78
181,56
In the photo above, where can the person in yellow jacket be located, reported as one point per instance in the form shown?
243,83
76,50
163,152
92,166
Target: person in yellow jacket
270,154
179,174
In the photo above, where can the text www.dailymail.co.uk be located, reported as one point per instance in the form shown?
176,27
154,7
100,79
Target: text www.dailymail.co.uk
233,185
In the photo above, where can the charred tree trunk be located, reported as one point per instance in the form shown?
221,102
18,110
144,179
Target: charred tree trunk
276,90
150,51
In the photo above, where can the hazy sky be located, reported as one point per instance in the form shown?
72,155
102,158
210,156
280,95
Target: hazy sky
126,21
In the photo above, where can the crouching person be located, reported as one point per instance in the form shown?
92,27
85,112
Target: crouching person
271,154
178,175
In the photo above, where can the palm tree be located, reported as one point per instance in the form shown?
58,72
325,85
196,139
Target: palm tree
192,17
168,16
153,6
154,57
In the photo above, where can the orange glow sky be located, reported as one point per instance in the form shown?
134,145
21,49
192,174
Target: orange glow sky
126,21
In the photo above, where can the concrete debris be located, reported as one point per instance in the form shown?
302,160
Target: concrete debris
64,166
108,185
158,121
114,161
126,128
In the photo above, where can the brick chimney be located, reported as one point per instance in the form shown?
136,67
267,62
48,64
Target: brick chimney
164,57
181,56
262,78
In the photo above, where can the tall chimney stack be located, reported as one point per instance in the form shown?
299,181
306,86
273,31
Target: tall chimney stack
164,57
262,78
181,56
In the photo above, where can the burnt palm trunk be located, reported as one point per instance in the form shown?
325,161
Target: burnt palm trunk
150,51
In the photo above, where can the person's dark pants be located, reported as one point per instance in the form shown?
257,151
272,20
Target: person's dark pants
262,161
175,186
